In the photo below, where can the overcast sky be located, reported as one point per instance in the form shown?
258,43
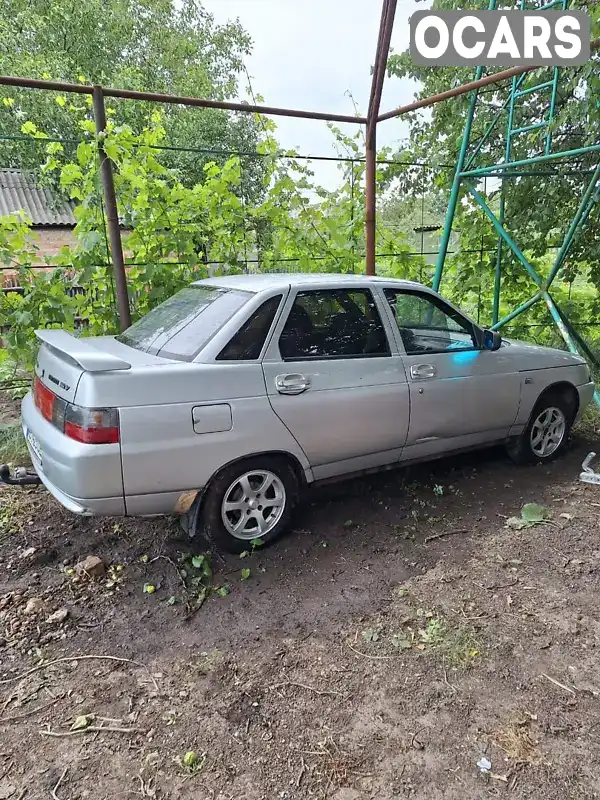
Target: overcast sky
310,54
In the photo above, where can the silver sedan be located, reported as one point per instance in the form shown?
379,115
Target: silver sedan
222,403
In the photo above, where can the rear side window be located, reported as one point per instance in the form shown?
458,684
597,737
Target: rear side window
248,342
333,323
181,326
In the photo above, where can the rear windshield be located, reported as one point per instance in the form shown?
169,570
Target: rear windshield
181,326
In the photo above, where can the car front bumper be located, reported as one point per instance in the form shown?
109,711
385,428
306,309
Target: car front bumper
586,395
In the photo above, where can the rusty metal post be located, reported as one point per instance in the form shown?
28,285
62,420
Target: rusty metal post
388,13
370,198
112,215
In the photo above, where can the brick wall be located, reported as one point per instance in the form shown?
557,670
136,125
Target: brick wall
48,241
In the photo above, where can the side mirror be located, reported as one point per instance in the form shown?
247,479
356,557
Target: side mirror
491,340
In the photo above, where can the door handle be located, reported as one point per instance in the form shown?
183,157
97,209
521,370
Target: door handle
419,372
293,383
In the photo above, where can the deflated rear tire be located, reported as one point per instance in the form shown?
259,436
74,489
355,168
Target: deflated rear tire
546,435
249,502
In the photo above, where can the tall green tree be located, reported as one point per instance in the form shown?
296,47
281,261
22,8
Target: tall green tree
165,46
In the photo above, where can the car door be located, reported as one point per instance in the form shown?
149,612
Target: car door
460,394
335,378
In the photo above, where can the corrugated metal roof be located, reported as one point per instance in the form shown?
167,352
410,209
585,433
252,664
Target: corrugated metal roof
19,190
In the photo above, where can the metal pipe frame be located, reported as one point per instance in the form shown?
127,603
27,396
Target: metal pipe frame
370,121
507,152
465,88
172,99
524,162
112,214
510,170
388,13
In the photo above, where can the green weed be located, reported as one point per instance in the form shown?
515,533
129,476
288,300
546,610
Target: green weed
13,510
589,424
455,644
13,449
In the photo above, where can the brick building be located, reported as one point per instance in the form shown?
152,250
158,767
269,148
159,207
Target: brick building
51,215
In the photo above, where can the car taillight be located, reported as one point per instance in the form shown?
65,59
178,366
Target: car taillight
92,425
87,425
44,399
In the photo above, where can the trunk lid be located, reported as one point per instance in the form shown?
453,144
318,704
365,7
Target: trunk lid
63,358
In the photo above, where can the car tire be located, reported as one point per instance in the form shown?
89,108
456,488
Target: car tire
547,433
248,502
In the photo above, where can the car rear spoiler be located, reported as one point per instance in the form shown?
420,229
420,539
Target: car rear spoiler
90,358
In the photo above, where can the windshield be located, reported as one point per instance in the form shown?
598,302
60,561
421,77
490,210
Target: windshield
181,326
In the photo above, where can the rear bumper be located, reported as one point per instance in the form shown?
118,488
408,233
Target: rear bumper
586,395
104,506
85,479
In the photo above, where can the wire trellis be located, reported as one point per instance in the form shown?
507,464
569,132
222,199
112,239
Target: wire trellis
421,239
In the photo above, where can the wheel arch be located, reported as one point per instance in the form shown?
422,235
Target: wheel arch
567,391
188,518
291,459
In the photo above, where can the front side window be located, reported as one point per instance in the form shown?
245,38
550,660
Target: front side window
248,342
333,323
181,326
427,325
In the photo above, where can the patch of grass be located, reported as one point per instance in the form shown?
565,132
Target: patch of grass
589,424
516,741
456,644
14,505
425,632
13,449
333,767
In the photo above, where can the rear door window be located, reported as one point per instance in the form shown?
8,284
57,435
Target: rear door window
181,326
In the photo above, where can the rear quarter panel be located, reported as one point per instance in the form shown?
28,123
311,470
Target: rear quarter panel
81,471
163,453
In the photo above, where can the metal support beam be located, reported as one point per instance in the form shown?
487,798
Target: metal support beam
172,99
588,200
523,307
112,216
561,323
370,202
455,190
500,230
388,13
562,328
507,152
496,77
525,162
581,344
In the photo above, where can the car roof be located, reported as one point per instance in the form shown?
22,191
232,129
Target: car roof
260,282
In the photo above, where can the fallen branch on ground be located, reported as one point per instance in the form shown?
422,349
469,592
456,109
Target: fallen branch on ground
304,686
445,533
90,728
17,717
58,783
368,655
557,683
79,658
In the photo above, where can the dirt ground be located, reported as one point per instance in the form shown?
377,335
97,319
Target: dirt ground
401,635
